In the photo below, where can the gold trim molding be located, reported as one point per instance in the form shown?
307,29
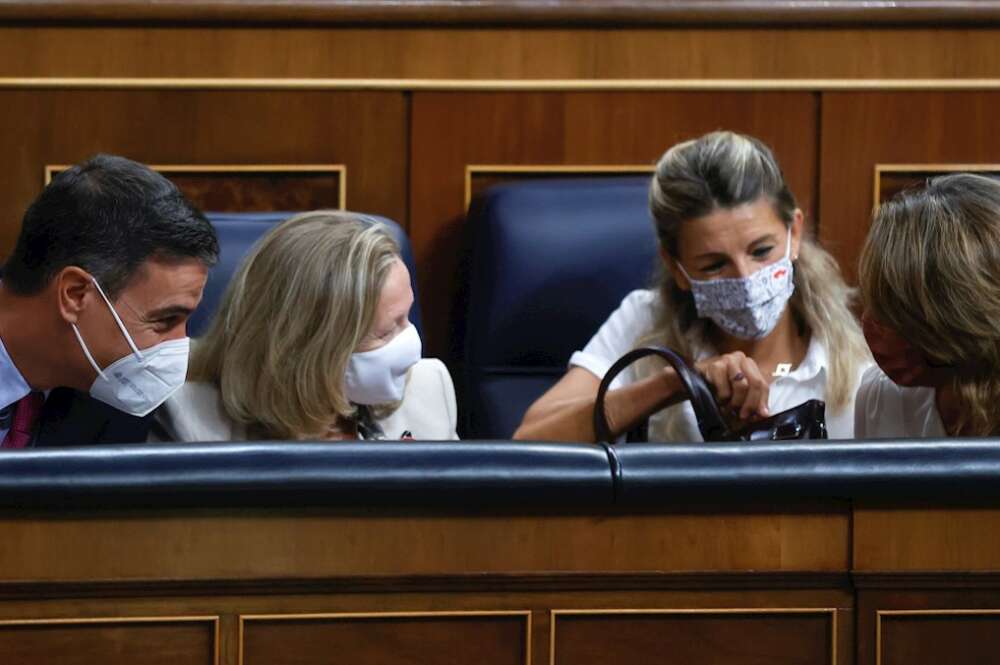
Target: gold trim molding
831,611
890,169
262,169
407,85
473,170
944,613
81,621
526,614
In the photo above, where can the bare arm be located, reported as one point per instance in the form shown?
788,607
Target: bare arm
565,411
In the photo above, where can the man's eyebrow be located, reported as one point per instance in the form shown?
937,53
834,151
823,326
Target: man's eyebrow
168,312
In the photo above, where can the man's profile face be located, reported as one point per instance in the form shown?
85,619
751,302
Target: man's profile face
154,306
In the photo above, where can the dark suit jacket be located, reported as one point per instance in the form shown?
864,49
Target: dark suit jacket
71,418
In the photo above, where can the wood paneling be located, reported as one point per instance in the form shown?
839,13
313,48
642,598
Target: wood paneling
500,53
112,547
931,637
531,12
917,625
926,539
366,131
110,642
863,129
457,639
695,638
254,188
453,130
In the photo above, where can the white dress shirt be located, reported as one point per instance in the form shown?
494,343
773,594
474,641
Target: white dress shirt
12,388
635,318
884,410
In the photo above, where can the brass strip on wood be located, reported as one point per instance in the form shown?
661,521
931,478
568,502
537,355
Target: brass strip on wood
473,170
881,169
942,612
245,618
501,85
832,611
339,169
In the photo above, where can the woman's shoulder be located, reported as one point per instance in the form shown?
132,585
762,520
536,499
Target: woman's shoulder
429,369
640,301
884,409
428,409
195,413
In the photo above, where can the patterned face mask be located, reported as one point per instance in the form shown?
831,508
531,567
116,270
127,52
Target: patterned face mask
746,307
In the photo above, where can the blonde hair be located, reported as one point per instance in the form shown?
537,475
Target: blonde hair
294,312
930,270
725,170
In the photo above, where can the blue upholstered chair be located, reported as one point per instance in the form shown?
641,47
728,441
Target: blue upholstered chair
551,259
237,234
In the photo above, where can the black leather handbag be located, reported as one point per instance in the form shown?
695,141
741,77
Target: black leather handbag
805,421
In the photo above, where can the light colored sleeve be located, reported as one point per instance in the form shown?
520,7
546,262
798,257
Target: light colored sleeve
448,395
866,404
618,335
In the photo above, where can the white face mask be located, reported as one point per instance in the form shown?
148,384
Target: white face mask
379,376
142,380
746,307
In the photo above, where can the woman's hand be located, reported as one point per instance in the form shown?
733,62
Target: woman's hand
740,388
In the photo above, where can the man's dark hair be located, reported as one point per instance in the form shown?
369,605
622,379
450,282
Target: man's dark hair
108,216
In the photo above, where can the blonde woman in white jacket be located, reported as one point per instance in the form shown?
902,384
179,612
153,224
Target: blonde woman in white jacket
313,341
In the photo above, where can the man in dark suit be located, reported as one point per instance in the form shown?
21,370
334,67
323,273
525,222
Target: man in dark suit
94,301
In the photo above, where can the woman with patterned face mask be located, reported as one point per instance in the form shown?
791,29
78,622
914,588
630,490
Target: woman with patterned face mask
313,341
930,282
762,309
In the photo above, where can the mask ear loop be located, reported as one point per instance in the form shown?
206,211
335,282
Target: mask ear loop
86,352
121,326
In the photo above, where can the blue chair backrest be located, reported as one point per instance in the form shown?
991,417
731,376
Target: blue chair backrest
237,234
551,259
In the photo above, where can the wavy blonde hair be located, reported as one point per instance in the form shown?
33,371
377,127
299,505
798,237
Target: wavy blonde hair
725,170
294,312
930,269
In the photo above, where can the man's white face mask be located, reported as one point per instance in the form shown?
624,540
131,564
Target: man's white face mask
142,380
379,376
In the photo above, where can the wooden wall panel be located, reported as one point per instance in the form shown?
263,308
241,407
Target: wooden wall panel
944,636
696,638
453,130
366,131
456,639
110,642
863,129
500,53
327,544
952,621
926,539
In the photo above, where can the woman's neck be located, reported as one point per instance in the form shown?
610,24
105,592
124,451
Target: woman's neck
783,346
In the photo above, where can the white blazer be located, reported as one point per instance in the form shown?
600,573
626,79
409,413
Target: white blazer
428,410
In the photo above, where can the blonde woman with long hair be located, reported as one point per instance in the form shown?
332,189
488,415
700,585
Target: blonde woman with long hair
312,341
930,283
761,308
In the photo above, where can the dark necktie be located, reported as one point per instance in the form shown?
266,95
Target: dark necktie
26,412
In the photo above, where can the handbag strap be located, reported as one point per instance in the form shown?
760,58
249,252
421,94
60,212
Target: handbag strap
711,424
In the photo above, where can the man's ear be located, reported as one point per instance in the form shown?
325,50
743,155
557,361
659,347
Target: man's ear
73,291
798,226
670,263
